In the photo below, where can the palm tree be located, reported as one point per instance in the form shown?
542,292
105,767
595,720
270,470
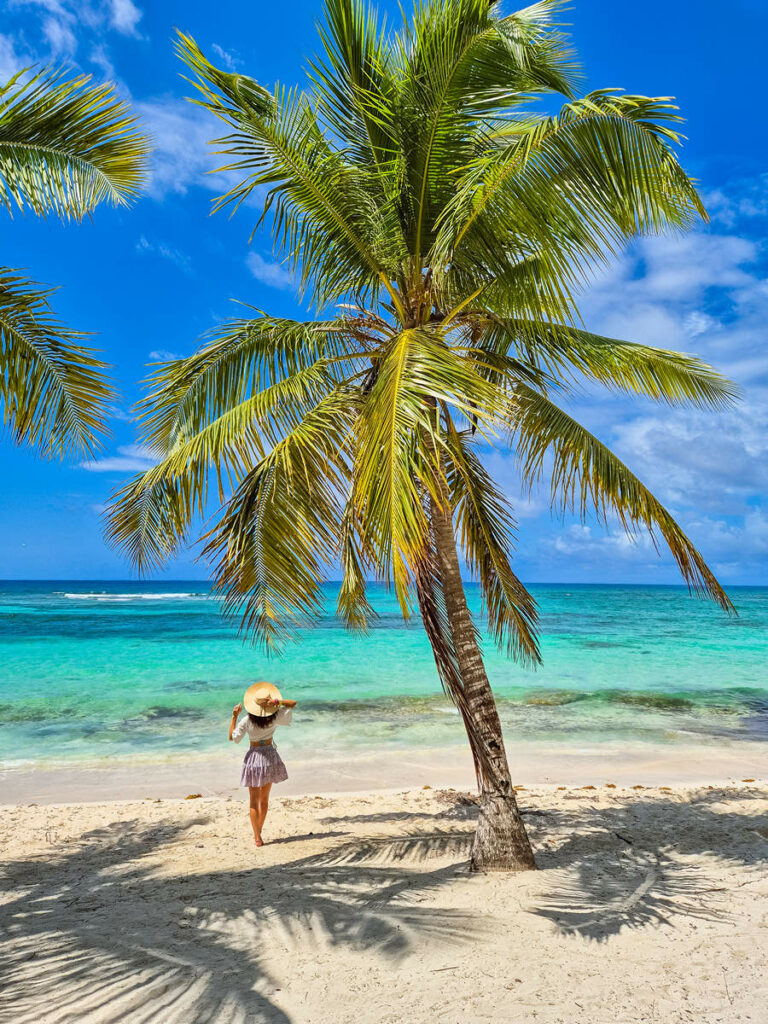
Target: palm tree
446,225
65,147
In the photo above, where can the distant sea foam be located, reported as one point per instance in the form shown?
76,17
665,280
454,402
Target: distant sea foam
104,596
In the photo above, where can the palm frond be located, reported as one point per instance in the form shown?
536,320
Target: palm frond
237,359
464,64
486,533
67,145
356,85
587,477
353,606
570,190
562,351
399,439
323,214
141,519
53,390
273,544
389,468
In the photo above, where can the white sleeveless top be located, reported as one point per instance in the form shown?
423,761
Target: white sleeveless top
255,732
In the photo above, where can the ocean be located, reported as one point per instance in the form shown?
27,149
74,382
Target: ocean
94,673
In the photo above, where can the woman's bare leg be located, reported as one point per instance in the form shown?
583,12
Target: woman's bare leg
254,812
263,805
259,805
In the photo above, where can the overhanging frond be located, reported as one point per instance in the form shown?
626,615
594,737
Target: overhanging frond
486,533
67,145
563,351
53,390
237,360
586,476
273,543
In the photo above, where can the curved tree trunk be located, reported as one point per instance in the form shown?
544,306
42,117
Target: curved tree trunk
501,842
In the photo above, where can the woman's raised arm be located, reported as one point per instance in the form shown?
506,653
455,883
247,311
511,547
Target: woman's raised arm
235,712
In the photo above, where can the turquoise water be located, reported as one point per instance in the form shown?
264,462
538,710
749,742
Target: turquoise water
106,671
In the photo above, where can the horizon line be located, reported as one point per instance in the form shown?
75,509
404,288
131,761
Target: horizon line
533,583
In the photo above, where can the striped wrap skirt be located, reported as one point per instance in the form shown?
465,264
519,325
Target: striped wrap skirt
262,765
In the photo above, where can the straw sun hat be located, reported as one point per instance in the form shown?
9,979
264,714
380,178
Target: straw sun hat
256,693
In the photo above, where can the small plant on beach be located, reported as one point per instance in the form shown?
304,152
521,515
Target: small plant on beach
65,147
415,194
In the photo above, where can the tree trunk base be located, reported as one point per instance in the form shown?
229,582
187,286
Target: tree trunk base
501,842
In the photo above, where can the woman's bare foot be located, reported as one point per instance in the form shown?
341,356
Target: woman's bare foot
259,841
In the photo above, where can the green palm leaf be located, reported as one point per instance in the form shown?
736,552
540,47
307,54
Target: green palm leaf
353,605
399,444
67,145
275,539
486,533
356,82
588,478
324,216
237,360
463,65
568,190
53,390
151,515
563,351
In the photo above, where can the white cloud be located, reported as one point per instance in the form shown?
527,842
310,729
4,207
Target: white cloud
667,284
162,355
52,6
275,275
166,252
131,458
581,540
183,156
739,541
699,459
681,269
745,199
696,323
64,24
116,412
99,56
11,61
124,16
705,292
59,37
229,60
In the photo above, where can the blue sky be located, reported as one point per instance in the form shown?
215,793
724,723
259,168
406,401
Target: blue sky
149,280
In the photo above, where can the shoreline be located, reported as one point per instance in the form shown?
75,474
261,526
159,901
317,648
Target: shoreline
531,765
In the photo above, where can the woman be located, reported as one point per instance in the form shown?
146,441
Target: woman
262,765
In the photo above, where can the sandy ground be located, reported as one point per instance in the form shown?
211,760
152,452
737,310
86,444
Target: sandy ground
650,905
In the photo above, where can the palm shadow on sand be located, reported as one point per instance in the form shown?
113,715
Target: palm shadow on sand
620,871
95,933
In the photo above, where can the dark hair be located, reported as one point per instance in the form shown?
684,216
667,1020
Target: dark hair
262,720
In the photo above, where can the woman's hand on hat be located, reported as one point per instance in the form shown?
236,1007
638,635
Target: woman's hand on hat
237,709
268,702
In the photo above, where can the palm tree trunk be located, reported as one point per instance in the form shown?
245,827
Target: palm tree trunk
501,842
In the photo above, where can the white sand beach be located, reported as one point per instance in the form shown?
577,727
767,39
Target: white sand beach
650,905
